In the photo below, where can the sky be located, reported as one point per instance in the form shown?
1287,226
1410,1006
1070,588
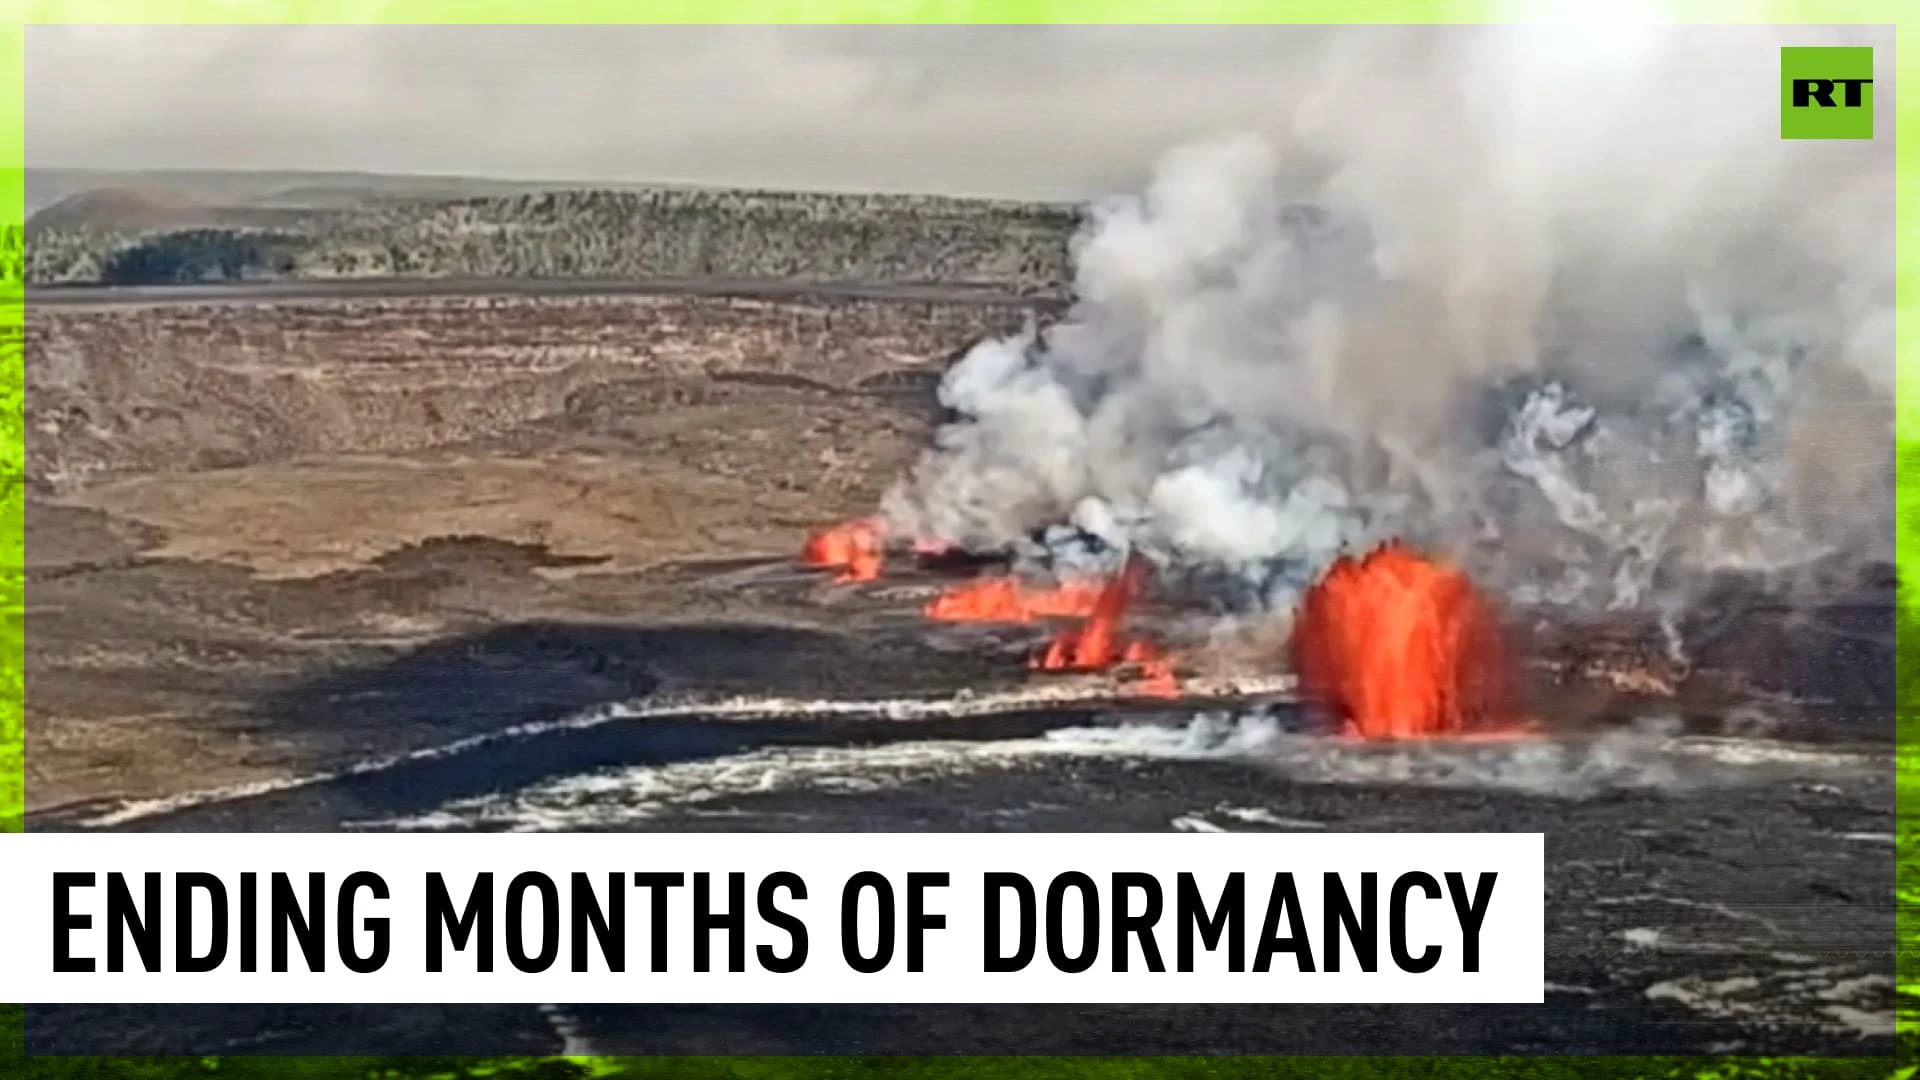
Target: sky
1027,112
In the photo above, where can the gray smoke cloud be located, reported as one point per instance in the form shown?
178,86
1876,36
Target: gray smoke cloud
1558,303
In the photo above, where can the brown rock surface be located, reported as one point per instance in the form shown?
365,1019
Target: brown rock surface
229,500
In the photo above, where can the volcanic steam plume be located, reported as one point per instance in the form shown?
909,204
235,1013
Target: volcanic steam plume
1515,299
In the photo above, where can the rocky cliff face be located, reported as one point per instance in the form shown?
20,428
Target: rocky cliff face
129,389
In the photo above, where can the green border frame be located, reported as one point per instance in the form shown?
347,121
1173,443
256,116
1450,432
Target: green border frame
1905,1065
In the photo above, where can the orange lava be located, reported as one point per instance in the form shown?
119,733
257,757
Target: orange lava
854,546
1007,600
1155,673
1095,644
1399,647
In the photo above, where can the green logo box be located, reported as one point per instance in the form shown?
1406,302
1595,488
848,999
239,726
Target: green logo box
1826,93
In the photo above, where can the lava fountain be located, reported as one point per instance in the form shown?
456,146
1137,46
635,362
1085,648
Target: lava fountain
853,546
1395,646
1096,644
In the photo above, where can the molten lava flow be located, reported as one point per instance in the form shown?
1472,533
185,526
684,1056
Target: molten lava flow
1095,644
1399,647
1156,673
1092,645
1005,599
855,546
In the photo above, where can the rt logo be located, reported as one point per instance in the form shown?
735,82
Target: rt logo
1826,93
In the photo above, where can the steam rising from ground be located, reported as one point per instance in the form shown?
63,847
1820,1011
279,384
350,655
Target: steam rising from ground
1642,759
1572,313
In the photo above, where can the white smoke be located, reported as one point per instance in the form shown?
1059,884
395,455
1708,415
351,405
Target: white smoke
1572,313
